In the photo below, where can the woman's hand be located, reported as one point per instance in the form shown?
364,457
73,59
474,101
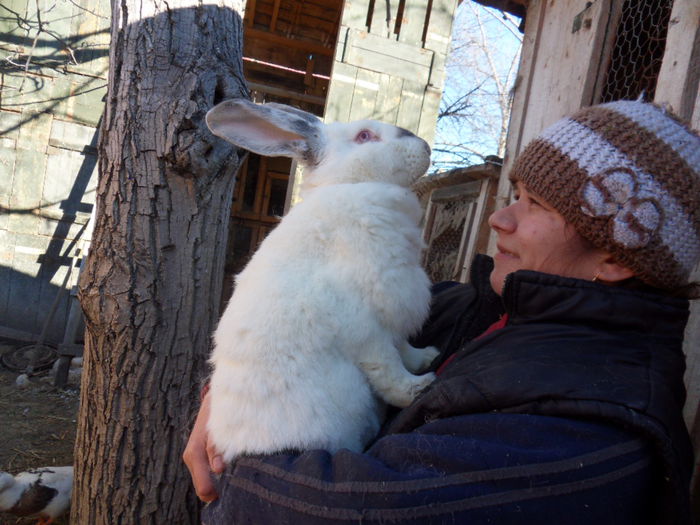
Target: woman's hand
200,456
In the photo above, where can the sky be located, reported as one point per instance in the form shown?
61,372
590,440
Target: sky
482,67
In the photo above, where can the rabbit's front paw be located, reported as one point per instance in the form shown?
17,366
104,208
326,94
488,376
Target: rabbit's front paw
402,397
417,359
421,384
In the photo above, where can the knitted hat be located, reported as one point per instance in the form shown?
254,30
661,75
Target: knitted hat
626,175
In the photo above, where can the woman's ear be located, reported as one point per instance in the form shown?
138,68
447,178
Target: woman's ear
610,271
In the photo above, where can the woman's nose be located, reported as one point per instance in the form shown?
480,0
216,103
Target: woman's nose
503,220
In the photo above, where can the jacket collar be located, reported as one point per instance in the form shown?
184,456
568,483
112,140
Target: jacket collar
530,296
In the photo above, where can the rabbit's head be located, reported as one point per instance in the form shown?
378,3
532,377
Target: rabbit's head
336,153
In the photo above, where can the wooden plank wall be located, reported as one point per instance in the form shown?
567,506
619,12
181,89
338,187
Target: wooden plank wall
565,46
390,63
288,50
679,86
558,66
50,106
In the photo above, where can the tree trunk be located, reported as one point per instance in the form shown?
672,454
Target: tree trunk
151,286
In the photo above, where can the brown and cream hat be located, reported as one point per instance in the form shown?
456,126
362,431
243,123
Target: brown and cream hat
626,175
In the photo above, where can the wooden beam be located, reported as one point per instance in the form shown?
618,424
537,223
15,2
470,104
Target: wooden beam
275,14
250,13
312,47
298,7
309,77
514,7
279,92
250,64
678,79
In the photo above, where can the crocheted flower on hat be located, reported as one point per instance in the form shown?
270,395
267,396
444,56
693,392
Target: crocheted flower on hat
614,193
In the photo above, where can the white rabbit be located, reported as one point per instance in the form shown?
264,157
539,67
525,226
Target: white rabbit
318,323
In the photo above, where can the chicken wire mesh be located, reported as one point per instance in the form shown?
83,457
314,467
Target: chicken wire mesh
638,50
446,236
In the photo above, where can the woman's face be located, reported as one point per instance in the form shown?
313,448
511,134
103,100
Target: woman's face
534,236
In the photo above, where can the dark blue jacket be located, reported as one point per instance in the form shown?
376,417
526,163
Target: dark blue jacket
571,414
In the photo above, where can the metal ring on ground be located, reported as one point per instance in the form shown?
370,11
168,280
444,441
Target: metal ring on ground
29,358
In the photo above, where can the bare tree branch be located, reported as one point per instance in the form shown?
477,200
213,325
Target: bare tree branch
88,10
31,51
475,110
507,21
37,22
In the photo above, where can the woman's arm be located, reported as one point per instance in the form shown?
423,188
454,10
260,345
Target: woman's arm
501,468
451,300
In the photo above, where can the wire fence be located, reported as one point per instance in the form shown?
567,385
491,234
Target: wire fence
638,50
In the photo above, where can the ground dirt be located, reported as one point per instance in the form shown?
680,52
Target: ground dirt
37,426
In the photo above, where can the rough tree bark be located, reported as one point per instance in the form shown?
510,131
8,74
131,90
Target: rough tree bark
150,289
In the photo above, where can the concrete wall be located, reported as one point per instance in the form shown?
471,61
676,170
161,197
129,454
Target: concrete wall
54,78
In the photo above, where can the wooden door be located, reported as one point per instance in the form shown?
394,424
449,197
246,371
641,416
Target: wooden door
259,201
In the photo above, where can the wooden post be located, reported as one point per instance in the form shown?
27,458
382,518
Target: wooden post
678,86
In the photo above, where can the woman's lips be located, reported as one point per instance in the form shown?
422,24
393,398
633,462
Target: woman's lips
503,253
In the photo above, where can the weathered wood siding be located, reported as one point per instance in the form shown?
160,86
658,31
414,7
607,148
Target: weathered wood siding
565,45
390,65
54,69
679,86
457,204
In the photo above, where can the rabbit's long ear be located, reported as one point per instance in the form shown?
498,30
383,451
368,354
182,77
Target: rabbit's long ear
274,130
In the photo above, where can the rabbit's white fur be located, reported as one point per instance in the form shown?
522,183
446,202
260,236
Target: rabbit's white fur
319,319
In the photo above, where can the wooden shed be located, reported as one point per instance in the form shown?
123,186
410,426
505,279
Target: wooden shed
341,60
577,53
457,203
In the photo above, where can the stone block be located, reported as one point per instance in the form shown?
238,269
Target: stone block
23,223
62,167
34,131
94,32
64,229
30,244
7,253
69,186
7,248
93,56
30,167
32,92
7,167
49,294
5,272
73,136
85,104
20,313
24,289
9,125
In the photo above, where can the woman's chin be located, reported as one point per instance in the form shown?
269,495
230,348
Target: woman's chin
497,280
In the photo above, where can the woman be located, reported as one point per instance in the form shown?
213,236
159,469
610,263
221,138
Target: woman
560,390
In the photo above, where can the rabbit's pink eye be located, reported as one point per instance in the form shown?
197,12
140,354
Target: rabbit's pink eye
365,136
